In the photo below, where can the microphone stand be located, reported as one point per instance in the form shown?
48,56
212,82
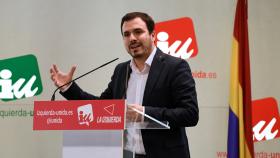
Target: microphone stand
53,96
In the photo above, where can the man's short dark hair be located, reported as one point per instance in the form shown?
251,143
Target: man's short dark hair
145,17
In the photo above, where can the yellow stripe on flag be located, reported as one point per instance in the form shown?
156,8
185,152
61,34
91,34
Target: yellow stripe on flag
234,82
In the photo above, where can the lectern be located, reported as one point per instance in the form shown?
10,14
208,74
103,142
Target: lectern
92,115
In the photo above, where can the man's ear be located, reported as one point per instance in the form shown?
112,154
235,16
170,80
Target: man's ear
153,35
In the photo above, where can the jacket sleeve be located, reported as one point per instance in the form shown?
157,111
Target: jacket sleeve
76,93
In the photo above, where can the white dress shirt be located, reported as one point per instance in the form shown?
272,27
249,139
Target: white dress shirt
135,92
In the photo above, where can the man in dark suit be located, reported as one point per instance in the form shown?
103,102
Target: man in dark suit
155,83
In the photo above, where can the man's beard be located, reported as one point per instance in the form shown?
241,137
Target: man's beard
138,54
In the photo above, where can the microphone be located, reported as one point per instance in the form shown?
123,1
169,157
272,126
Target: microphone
53,96
127,76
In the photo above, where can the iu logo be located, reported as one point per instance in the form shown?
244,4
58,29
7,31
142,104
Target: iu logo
19,78
266,120
85,114
177,38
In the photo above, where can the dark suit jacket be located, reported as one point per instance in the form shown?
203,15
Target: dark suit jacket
169,95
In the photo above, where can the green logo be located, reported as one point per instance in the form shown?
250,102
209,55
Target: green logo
19,78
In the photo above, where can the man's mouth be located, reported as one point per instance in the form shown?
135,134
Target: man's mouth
134,46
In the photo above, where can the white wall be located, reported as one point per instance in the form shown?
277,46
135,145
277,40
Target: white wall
87,33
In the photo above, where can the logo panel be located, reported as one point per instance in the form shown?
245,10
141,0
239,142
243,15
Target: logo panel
85,114
79,115
177,38
266,119
19,78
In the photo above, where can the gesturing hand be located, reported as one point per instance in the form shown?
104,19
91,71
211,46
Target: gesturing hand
60,78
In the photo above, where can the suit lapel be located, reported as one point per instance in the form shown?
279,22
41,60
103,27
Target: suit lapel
124,80
155,71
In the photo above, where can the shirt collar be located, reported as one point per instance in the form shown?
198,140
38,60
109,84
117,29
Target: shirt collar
151,57
148,62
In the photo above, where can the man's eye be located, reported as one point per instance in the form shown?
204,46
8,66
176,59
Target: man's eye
126,34
138,32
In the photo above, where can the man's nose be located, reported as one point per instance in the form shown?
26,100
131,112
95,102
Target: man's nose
132,37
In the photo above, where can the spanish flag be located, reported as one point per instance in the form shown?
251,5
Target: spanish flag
240,134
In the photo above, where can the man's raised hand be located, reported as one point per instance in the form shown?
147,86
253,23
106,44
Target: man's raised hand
60,78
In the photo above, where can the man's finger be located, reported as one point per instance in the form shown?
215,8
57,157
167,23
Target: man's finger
52,77
52,70
55,68
71,73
